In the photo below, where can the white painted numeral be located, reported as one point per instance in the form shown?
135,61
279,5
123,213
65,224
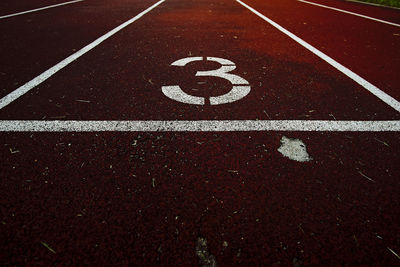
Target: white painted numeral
240,87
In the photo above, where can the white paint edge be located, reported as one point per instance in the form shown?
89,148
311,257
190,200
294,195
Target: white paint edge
199,126
39,9
53,70
221,61
182,62
350,13
355,77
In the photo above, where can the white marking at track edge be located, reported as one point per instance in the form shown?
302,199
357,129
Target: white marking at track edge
355,77
50,72
372,4
199,126
350,13
39,9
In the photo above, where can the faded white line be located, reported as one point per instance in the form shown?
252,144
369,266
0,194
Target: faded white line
199,126
355,77
53,70
39,9
351,13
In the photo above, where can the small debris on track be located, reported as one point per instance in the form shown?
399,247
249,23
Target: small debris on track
206,259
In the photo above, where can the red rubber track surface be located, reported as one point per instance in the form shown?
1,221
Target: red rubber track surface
288,81
34,42
8,7
145,198
367,47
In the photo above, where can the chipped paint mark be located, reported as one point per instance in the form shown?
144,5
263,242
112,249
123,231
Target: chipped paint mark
294,149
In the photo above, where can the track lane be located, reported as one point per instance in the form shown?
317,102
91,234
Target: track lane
116,81
93,199
384,13
355,42
37,41
350,13
39,9
146,198
9,6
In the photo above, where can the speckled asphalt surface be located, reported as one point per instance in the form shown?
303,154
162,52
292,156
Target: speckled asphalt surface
198,198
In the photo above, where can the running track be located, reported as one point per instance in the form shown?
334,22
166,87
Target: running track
99,166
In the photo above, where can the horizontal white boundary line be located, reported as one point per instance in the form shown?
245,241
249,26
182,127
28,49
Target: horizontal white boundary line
38,9
355,77
53,70
199,126
351,13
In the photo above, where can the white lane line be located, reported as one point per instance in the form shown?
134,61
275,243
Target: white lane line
199,126
372,4
355,77
53,70
39,9
351,13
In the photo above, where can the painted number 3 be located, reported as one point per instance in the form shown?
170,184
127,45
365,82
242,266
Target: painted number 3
240,87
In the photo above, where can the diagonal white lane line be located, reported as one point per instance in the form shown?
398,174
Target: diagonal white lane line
39,9
355,77
53,70
351,13
199,126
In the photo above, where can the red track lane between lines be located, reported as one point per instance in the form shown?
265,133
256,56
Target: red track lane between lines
355,42
34,42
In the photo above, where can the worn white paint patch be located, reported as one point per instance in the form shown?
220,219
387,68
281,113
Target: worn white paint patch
294,149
